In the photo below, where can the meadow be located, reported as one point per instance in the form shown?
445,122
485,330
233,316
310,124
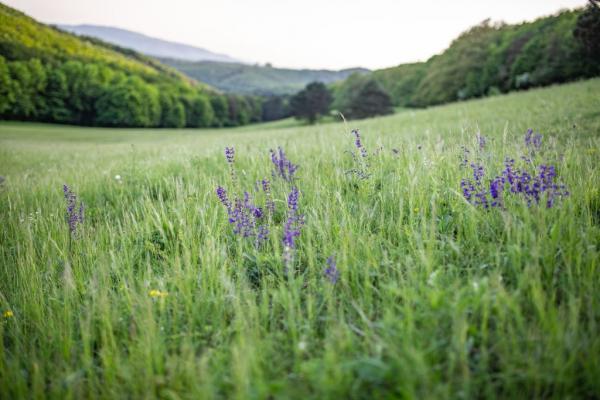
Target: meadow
390,284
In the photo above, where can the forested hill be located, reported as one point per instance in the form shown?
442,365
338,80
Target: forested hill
54,76
493,58
255,79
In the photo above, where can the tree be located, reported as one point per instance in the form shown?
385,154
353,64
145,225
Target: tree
198,111
311,103
23,105
587,30
131,103
6,89
370,100
219,106
172,112
57,93
274,108
239,111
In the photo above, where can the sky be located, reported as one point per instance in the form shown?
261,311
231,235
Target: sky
332,34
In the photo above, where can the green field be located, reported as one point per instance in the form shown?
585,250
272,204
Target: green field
156,297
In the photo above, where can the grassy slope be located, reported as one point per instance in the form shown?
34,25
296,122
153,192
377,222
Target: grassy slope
436,299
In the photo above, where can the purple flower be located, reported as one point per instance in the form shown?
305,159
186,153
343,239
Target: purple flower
331,272
478,171
241,220
481,141
269,204
467,188
222,195
360,157
293,200
358,143
292,227
465,158
262,235
283,167
74,215
531,186
290,232
533,141
244,216
496,188
229,154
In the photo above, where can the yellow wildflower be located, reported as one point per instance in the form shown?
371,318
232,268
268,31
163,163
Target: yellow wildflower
416,210
8,314
157,293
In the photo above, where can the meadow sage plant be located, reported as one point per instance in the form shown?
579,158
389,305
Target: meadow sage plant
360,157
534,185
282,166
74,212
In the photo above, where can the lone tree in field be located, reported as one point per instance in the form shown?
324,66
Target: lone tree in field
368,101
312,102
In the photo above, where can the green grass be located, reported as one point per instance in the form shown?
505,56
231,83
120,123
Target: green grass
436,298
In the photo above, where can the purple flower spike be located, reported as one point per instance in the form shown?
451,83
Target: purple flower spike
293,200
533,141
269,204
358,143
222,195
244,216
283,167
74,214
229,154
331,272
481,141
292,227
478,171
465,157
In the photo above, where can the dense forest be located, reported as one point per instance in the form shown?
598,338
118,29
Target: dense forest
53,76
493,58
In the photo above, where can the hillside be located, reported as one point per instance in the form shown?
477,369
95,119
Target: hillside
22,38
493,58
218,70
53,76
145,44
397,286
257,80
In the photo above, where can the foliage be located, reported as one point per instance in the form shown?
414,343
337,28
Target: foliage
311,103
493,58
274,108
369,99
50,75
587,31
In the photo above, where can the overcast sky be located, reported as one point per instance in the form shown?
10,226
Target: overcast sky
299,33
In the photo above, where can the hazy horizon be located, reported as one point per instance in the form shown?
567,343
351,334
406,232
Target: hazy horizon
332,35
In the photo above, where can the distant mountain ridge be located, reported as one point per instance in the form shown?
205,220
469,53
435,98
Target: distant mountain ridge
219,70
146,44
256,79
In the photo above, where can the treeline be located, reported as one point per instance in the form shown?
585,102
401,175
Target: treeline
48,75
493,58
94,94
